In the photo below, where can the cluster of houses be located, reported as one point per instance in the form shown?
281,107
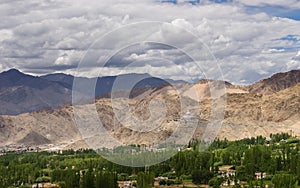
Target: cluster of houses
44,185
18,148
228,174
25,148
121,184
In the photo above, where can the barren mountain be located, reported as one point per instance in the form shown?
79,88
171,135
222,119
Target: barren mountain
22,93
256,114
154,115
275,83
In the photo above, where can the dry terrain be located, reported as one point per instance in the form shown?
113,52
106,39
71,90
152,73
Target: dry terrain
158,113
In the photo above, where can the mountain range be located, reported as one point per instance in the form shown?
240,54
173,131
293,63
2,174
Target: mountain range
271,105
22,93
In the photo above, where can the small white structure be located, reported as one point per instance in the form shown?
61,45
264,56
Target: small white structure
125,184
44,185
160,178
259,175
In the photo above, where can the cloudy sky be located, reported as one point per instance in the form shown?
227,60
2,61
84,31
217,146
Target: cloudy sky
247,39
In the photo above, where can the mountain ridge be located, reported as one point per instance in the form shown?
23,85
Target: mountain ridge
246,114
23,93
276,82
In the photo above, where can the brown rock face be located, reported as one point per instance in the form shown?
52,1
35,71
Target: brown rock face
276,83
271,106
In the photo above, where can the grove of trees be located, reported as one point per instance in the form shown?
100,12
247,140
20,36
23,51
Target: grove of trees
278,157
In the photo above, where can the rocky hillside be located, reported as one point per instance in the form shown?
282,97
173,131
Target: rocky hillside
275,83
257,114
246,114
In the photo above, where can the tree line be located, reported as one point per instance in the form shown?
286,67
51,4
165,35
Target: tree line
277,156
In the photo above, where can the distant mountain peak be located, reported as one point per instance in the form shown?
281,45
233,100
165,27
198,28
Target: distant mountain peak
12,77
276,82
13,71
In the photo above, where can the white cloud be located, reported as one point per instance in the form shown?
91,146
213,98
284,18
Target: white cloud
39,35
294,62
5,34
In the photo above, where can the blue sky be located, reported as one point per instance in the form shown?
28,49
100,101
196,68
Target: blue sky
279,11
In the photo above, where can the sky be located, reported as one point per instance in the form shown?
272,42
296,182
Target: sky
246,40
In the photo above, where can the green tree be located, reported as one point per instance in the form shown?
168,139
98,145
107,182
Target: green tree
88,179
145,180
201,176
285,180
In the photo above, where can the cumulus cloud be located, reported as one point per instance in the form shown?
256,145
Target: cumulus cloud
43,36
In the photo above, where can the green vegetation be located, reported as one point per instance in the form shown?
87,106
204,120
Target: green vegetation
145,180
253,162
